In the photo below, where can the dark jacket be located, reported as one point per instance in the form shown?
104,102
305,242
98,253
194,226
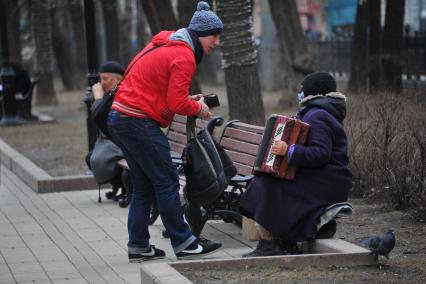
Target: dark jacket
291,209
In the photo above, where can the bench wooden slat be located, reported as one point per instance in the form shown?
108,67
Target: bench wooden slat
247,127
177,127
176,137
243,170
243,135
176,147
242,158
239,146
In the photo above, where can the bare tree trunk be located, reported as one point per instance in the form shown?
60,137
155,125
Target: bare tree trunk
42,31
240,62
374,44
126,49
110,13
160,15
392,38
62,47
295,56
14,33
140,26
75,9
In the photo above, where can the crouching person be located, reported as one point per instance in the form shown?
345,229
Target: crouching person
288,211
105,154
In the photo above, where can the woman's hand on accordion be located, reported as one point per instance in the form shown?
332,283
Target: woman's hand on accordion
279,148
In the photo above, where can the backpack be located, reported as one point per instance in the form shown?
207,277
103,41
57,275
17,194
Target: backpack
101,110
207,167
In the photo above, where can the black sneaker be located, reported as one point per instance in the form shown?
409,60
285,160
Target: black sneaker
152,253
199,247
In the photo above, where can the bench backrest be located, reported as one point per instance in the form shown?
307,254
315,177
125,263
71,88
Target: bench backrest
176,133
241,141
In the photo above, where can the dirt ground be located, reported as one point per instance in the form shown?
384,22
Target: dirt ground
407,262
60,148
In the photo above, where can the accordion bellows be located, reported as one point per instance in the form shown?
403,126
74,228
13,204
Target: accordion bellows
287,129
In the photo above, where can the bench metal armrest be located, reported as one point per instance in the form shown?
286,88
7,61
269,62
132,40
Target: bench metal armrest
214,122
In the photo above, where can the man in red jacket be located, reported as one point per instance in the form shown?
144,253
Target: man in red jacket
155,88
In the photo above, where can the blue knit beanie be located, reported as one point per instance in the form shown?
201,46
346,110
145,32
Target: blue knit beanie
205,22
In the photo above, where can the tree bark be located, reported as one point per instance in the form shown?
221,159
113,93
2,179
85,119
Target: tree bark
62,48
140,26
359,77
391,80
295,56
126,49
14,32
374,45
110,20
240,62
75,9
160,15
42,32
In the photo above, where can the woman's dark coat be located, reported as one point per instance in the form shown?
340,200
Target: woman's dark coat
290,210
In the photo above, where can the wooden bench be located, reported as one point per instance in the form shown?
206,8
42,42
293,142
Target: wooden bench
176,133
240,141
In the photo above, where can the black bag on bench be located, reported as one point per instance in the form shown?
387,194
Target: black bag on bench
207,167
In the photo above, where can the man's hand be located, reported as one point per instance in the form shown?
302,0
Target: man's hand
98,91
204,113
196,97
279,148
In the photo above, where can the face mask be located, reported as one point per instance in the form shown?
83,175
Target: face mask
300,95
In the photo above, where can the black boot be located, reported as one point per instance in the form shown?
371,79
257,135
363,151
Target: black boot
290,247
266,248
327,231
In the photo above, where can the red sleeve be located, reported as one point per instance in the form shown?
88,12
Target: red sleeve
178,101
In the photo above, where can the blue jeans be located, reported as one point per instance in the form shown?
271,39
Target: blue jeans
147,152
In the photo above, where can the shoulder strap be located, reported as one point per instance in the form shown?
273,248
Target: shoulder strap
134,62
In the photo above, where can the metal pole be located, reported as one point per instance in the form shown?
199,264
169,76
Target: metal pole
92,64
7,75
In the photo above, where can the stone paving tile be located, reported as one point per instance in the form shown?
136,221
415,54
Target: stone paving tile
60,270
28,228
18,255
81,223
74,239
11,241
72,281
48,254
6,276
2,260
8,229
28,272
37,240
107,248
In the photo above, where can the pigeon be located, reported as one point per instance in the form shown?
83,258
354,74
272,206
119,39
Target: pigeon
380,245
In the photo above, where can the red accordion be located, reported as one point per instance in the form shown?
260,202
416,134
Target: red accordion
289,130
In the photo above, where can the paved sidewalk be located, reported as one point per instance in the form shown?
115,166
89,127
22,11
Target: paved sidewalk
71,238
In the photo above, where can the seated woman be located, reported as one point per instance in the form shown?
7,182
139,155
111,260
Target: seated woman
288,211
